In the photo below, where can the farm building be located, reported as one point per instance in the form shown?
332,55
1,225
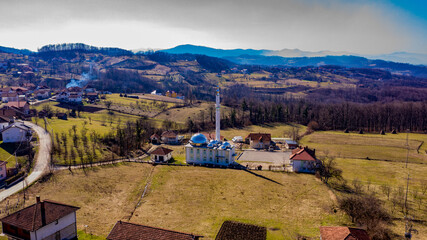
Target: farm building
236,230
343,233
161,154
291,144
304,160
126,230
259,140
155,139
43,220
215,152
16,132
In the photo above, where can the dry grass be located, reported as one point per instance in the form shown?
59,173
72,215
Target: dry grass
104,195
388,147
197,200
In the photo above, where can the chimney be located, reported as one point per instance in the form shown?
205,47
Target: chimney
42,210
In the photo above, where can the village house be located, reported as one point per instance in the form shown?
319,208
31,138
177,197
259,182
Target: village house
10,112
9,96
22,106
259,140
42,220
16,132
155,139
125,230
304,160
70,95
3,170
92,96
169,137
343,233
291,144
237,230
161,154
42,93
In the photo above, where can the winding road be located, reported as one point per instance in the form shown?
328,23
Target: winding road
41,165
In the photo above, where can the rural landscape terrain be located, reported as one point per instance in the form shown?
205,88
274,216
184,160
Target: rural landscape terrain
365,122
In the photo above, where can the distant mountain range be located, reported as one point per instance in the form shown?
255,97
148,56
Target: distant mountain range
402,57
15,51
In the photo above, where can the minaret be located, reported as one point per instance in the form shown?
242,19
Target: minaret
217,117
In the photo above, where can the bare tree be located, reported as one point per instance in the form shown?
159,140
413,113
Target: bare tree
386,189
328,169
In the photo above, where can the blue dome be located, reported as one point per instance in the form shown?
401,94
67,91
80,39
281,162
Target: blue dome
198,139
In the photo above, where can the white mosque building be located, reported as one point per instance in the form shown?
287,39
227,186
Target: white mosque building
200,151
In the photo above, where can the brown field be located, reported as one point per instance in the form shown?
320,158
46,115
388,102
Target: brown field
192,199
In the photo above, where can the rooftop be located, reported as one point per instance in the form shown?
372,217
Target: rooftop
30,218
231,230
126,230
343,233
161,151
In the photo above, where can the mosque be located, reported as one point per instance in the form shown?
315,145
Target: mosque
200,151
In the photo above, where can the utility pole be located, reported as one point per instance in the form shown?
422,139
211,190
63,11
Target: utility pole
407,147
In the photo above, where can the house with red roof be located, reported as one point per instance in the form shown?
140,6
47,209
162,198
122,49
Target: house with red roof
304,160
22,106
42,220
170,137
126,230
161,154
259,140
343,233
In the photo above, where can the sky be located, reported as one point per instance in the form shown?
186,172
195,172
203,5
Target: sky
356,26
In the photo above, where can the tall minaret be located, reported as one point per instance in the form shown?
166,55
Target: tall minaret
217,117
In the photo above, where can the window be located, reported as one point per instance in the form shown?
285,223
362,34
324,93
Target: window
191,150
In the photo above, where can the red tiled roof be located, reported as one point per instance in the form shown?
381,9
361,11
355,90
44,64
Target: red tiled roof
161,151
343,233
259,136
169,134
12,94
236,231
30,218
126,231
302,154
211,136
19,104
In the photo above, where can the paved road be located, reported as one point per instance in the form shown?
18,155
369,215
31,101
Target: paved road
41,165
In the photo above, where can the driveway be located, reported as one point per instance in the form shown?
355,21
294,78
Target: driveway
41,165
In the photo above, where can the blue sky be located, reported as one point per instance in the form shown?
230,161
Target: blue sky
361,26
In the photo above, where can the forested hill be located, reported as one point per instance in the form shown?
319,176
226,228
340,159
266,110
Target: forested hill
196,76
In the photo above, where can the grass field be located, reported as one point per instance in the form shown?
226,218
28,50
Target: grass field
390,147
192,199
386,166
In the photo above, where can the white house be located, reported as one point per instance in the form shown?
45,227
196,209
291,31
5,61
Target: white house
215,152
3,170
16,132
304,160
10,97
44,220
161,154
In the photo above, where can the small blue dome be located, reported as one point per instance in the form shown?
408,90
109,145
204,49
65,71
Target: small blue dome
198,139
